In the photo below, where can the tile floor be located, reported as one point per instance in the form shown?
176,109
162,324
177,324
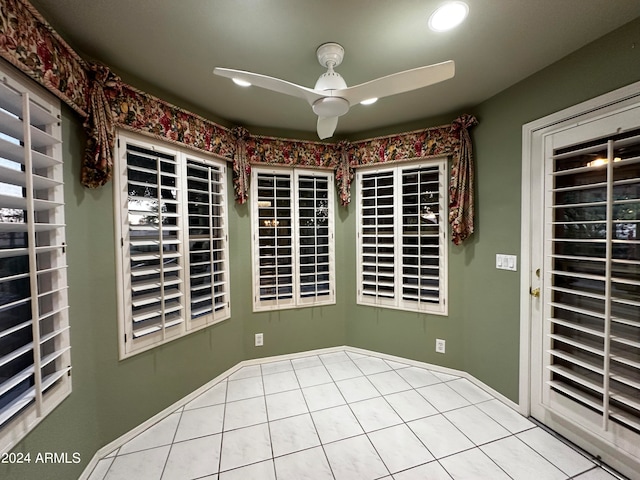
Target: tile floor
344,416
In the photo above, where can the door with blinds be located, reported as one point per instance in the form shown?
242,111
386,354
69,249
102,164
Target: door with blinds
586,372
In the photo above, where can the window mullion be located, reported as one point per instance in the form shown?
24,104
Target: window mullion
211,240
31,236
295,237
398,231
608,287
182,184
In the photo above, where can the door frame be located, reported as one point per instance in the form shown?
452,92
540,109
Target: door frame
533,135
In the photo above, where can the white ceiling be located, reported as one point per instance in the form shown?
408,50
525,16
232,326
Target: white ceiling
174,45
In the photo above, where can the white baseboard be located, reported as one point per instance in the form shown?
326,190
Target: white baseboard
110,448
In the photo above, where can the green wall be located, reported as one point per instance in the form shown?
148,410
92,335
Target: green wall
482,329
110,397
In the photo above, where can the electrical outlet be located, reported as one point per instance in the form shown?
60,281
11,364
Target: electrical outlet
259,339
440,345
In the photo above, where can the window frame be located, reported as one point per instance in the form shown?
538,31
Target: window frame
394,230
184,323
41,178
298,299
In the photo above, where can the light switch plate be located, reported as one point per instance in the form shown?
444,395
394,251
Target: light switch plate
506,262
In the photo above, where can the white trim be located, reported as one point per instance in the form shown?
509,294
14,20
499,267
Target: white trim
109,449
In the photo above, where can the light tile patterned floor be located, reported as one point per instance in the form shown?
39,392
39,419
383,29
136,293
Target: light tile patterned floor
345,416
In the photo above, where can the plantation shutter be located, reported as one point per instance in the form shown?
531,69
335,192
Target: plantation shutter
401,219
34,326
154,240
593,310
293,253
275,240
422,234
208,275
315,236
377,230
172,227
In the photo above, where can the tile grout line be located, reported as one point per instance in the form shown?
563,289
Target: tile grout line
224,414
266,410
595,460
314,424
324,362
166,460
348,405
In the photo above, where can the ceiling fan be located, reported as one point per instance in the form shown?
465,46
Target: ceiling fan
331,98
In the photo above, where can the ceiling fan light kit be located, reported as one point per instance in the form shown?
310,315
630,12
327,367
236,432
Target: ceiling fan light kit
240,82
331,97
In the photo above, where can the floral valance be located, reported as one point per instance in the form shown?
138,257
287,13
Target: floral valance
29,43
144,113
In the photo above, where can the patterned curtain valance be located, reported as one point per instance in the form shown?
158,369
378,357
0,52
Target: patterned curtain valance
29,43
432,142
135,110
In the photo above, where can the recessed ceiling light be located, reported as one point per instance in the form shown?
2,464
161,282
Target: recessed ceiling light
369,101
448,16
242,83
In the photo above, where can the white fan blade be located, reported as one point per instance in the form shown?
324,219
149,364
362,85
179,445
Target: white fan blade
271,83
398,82
326,126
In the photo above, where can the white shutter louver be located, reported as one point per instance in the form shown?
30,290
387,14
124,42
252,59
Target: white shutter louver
314,238
293,255
378,235
402,258
155,250
594,309
421,236
34,324
172,223
207,241
275,239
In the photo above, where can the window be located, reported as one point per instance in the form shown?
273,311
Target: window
293,255
172,218
34,325
402,255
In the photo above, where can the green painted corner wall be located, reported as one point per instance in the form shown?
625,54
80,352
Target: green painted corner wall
110,397
285,331
483,326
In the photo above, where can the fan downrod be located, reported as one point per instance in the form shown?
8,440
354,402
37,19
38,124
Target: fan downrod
330,54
